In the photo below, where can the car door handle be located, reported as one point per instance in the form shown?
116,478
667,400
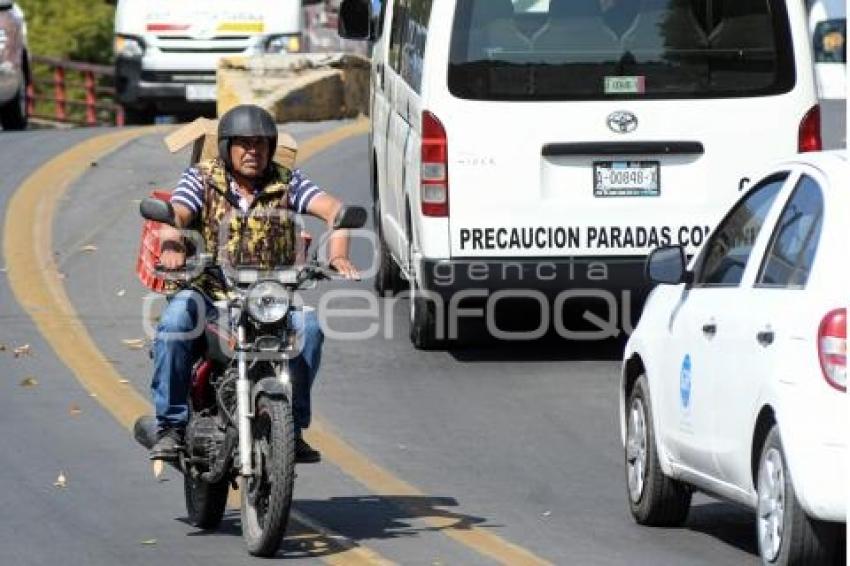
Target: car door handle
709,329
765,337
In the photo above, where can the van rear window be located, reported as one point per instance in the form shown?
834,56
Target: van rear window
619,49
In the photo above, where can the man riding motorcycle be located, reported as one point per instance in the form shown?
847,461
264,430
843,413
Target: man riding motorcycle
254,196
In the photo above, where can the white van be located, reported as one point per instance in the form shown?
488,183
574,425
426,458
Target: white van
828,25
520,146
166,52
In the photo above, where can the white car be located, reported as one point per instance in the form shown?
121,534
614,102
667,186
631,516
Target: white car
734,381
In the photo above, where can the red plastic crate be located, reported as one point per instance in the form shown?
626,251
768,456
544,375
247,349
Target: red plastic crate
149,251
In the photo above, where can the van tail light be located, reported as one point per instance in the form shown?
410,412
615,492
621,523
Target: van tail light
434,189
832,348
809,136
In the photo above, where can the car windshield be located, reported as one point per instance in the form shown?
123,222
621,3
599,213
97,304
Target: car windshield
619,49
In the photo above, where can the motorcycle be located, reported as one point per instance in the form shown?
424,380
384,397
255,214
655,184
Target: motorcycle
240,431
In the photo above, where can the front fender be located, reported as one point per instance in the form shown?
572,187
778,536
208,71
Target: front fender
274,387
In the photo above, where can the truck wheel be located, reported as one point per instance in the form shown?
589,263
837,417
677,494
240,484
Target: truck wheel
13,114
786,535
654,499
134,116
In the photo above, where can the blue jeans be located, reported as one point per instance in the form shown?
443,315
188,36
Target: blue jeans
180,342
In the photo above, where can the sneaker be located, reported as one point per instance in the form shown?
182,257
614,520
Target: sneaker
305,454
169,444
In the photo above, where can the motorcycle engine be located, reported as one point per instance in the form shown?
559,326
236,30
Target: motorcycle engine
204,439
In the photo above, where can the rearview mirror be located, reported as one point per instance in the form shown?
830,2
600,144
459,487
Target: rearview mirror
350,217
157,210
667,265
354,17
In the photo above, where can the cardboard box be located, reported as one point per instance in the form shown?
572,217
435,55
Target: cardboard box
203,134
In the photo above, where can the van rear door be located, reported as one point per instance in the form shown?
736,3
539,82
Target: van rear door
572,132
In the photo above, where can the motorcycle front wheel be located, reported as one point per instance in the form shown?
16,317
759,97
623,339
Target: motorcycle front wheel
267,495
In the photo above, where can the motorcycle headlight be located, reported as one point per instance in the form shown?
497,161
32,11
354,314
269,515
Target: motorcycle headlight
283,44
268,302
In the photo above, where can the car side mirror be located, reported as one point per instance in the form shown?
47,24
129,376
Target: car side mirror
668,265
354,18
157,210
350,217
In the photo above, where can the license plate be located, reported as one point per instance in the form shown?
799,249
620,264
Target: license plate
626,179
205,92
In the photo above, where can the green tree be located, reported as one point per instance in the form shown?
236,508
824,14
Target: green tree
72,29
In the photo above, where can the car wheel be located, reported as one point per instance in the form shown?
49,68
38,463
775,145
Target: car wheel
13,114
786,535
654,498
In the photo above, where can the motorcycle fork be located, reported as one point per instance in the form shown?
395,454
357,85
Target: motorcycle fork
243,406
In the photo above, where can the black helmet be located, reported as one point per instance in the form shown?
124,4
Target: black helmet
245,120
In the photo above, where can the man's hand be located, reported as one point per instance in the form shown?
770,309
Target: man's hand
344,266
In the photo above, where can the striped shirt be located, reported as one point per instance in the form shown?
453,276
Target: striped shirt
190,192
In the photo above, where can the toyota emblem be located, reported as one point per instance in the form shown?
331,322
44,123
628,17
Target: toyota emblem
622,122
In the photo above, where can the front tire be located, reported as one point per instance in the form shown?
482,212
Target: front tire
786,535
654,499
205,502
267,495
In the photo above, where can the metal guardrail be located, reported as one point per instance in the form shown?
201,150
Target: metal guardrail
68,79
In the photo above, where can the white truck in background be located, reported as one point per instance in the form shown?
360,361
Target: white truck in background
828,27
166,52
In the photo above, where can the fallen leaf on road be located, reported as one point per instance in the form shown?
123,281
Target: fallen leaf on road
75,411
89,248
29,382
149,542
24,350
61,481
121,293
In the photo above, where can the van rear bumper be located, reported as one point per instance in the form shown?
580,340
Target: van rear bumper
582,274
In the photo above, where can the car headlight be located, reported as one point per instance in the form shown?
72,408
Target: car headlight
283,44
129,47
268,301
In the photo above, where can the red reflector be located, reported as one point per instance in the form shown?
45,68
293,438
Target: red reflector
832,348
434,173
809,137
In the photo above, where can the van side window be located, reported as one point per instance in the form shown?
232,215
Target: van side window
408,36
725,256
396,33
791,252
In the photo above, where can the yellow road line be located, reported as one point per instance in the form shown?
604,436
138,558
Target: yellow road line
34,279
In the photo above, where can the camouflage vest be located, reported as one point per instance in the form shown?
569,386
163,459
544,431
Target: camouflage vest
261,238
